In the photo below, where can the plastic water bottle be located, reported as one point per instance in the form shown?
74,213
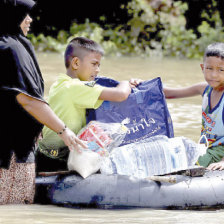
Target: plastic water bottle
154,156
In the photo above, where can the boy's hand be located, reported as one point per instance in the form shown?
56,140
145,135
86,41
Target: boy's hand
135,82
216,166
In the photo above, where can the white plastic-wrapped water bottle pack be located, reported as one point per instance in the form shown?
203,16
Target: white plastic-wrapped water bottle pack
157,155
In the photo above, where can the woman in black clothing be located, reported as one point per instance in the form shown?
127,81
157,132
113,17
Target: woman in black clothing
23,108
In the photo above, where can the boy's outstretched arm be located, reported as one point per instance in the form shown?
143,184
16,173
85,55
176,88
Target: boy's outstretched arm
196,89
116,94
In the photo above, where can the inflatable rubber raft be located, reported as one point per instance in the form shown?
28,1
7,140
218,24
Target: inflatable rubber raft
120,191
149,117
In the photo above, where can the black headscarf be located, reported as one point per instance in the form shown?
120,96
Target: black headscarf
20,73
12,14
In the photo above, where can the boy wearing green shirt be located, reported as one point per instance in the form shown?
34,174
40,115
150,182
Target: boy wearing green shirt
72,94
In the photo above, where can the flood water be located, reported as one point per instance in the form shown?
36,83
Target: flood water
186,116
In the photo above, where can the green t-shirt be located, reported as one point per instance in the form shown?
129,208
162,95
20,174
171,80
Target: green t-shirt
69,98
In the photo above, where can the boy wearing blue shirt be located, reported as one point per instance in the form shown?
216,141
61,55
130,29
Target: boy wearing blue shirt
212,92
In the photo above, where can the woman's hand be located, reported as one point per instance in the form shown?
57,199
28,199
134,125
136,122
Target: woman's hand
216,166
72,141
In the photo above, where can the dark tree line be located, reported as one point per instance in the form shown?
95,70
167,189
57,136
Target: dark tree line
193,15
51,16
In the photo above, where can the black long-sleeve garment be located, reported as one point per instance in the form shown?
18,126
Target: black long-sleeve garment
19,73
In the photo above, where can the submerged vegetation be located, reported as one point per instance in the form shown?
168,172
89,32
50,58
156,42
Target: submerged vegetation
155,28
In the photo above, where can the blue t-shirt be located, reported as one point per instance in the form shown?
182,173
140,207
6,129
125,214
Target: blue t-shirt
212,119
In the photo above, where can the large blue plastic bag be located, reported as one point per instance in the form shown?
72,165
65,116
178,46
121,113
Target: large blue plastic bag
145,109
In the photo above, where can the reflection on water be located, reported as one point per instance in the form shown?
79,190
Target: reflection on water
186,116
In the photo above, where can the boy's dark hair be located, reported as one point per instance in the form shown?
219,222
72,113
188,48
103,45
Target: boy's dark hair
79,47
215,50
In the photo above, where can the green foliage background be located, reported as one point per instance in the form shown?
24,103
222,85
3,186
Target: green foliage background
150,32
